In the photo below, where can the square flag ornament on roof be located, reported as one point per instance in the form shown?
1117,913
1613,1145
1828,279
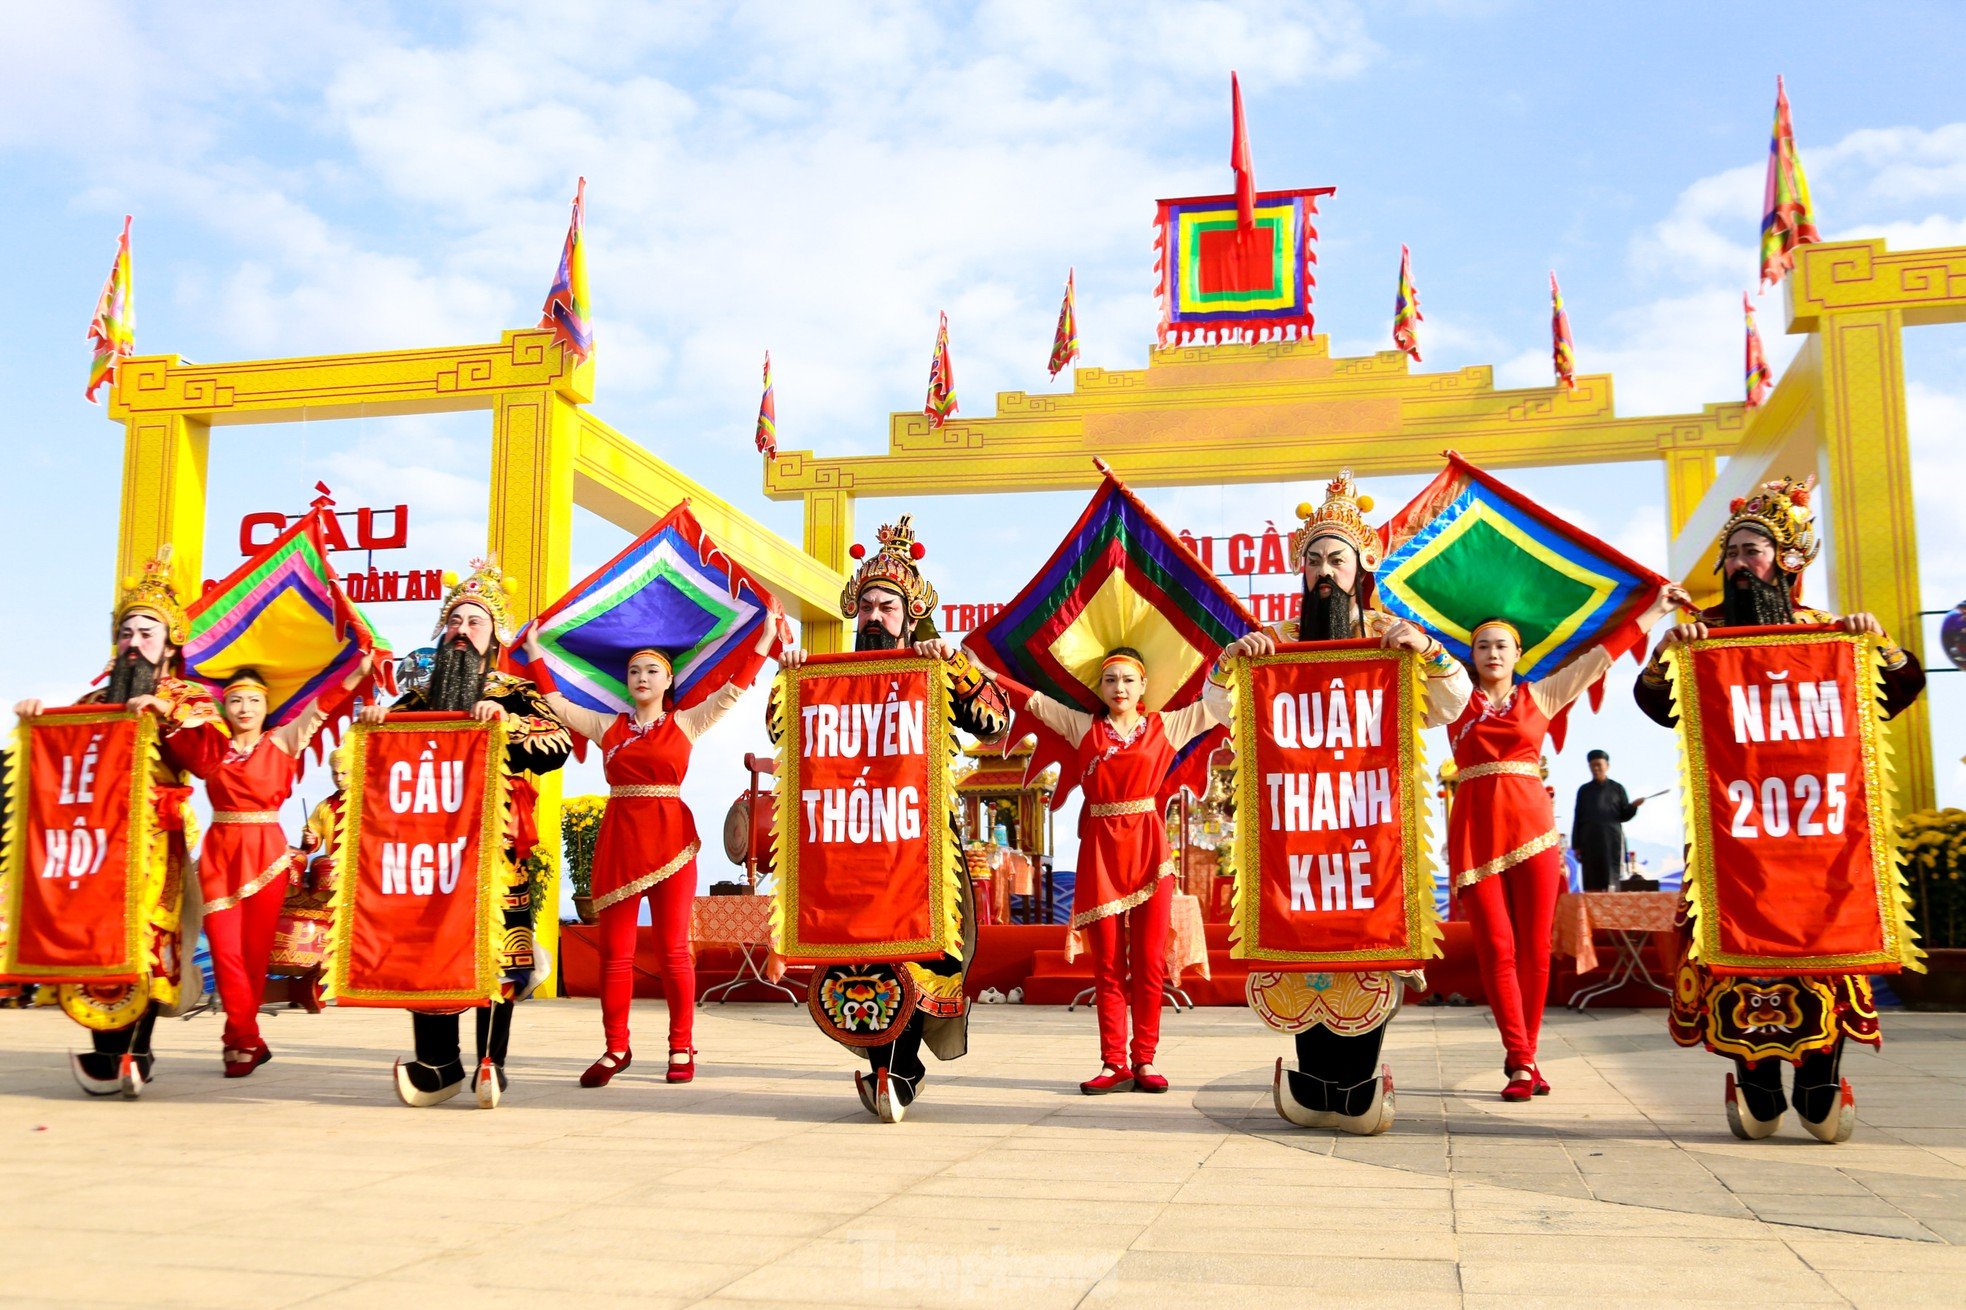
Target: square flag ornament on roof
1470,548
673,590
1218,276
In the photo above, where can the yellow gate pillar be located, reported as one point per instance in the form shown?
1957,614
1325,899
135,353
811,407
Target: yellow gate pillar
1690,472
535,438
1866,469
829,532
164,463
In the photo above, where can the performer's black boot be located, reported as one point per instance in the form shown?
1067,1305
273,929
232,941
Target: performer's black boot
898,1074
100,1071
1823,1099
1338,1083
437,1073
494,1037
1755,1103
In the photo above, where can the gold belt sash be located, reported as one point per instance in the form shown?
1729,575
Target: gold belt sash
1520,768
663,792
245,816
1113,809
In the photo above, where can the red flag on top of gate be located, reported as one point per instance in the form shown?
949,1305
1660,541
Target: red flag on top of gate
1757,363
1239,161
1065,341
566,310
113,330
768,415
1787,219
1406,309
1565,347
941,403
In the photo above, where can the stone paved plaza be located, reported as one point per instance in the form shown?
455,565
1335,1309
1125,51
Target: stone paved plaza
764,1183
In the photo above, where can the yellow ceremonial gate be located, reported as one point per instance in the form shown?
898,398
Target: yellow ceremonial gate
1270,412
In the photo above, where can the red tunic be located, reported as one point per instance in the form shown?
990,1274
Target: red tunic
246,848
1501,813
647,833
1122,840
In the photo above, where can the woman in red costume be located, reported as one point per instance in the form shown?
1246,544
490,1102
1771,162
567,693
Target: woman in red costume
244,863
1503,849
647,844
1125,886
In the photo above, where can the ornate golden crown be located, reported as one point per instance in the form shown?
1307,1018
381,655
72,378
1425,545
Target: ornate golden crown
1342,515
487,588
151,592
892,566
1780,509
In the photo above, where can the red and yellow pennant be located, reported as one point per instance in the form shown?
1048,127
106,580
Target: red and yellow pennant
869,870
1065,341
1788,219
1334,863
1406,309
940,406
421,867
1756,366
1792,863
82,845
1563,345
113,327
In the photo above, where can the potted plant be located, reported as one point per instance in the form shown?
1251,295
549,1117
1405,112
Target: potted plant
580,826
1933,844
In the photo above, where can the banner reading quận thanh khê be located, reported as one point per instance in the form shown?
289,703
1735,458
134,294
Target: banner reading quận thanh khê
1334,866
1791,843
82,842
868,863
422,864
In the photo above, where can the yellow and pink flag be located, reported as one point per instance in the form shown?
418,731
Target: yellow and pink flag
1758,380
941,403
1065,341
1564,345
1406,309
767,437
566,309
113,330
1787,219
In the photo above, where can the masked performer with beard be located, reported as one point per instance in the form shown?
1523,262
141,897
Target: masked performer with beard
892,607
1503,849
1765,546
243,867
150,627
1338,1019
647,844
472,628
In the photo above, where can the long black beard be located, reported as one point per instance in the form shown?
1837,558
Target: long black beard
1327,617
1748,602
875,637
132,676
457,677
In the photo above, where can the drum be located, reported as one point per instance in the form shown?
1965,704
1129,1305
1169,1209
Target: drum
757,824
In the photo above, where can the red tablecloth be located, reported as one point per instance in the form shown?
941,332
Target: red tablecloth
741,921
1580,914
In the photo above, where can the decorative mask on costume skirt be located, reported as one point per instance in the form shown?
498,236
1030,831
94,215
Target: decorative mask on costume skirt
895,565
861,1004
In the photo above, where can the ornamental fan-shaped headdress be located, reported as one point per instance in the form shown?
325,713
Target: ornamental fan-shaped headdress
152,592
895,565
489,589
1343,516
1780,511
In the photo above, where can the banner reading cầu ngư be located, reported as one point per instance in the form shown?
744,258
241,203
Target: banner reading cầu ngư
421,866
1334,865
82,843
1791,863
869,870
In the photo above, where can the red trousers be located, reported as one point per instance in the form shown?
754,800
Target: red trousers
669,909
241,939
1137,938
1511,913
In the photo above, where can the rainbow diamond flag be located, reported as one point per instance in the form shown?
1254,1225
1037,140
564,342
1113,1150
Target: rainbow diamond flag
1065,341
283,613
1470,548
113,330
941,403
566,307
1406,309
1788,220
672,589
1119,578
1757,363
767,436
1220,280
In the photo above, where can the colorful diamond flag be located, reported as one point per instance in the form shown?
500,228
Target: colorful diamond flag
672,589
284,614
1217,278
1470,548
1120,578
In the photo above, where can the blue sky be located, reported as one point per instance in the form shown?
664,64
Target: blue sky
821,179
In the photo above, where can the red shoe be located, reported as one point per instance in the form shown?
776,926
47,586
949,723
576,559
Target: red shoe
1110,1079
1149,1082
1522,1085
1542,1083
602,1071
241,1068
681,1073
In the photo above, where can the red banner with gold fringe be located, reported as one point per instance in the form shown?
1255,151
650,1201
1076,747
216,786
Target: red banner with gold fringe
1791,863
421,867
80,841
1334,870
869,867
